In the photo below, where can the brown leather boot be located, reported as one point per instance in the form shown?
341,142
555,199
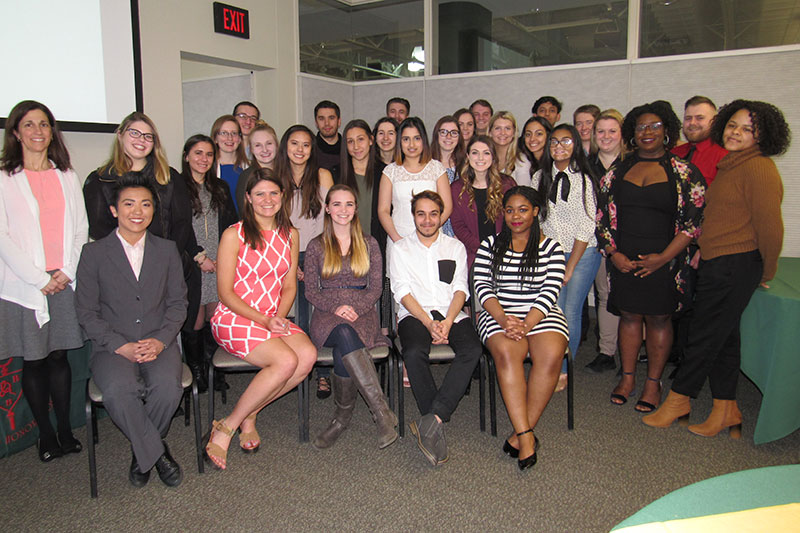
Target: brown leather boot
724,414
344,397
361,368
676,406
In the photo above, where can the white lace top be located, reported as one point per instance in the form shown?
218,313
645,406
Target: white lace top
405,185
571,220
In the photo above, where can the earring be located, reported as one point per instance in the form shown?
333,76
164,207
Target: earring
666,139
633,143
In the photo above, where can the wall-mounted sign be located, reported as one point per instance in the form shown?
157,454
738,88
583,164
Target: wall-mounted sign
231,20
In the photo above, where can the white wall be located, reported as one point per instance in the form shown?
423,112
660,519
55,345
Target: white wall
769,75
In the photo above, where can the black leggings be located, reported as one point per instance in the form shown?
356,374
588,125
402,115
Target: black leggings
343,339
47,378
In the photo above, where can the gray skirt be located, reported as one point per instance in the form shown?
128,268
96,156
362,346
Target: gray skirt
21,336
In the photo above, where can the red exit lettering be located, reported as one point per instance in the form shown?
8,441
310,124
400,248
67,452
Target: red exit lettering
233,21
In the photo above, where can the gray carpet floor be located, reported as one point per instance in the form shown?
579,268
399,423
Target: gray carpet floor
586,480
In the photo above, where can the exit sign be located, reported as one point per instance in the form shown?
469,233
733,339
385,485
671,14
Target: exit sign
231,20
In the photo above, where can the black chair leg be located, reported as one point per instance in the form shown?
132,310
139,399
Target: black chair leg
492,379
91,434
210,395
400,399
482,391
197,428
570,390
186,408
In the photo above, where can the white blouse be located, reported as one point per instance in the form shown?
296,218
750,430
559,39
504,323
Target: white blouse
406,184
569,221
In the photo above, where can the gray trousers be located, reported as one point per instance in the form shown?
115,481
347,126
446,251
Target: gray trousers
141,398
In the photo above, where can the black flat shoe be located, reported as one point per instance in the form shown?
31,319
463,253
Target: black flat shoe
514,453
70,444
169,471
49,451
135,476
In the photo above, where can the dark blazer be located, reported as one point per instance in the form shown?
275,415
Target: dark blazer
114,308
465,219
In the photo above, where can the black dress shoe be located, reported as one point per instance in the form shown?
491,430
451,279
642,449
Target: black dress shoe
169,471
49,450
137,477
601,363
69,444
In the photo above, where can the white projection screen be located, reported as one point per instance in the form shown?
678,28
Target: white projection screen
78,57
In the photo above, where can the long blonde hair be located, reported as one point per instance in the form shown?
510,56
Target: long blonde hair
511,153
332,254
119,163
494,181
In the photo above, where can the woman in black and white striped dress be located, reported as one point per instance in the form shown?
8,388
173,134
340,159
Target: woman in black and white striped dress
518,276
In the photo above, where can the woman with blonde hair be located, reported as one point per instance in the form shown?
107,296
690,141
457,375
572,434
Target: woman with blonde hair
343,282
503,132
263,144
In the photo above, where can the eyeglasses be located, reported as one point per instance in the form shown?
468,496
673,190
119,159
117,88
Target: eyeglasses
448,133
228,134
245,116
655,126
565,142
136,134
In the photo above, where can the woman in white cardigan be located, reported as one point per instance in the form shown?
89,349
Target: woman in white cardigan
42,230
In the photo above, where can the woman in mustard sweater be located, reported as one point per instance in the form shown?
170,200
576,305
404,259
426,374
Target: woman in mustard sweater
739,247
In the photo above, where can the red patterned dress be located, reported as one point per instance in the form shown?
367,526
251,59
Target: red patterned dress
259,278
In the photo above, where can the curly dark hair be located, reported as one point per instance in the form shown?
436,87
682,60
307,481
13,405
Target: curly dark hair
772,133
663,110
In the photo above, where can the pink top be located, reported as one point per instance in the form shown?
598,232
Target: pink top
46,188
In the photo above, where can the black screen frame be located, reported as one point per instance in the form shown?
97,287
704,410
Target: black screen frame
104,127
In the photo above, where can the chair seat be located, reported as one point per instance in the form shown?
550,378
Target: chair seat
440,353
227,362
96,395
325,355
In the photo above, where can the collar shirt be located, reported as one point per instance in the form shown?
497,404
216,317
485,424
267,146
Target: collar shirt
705,157
432,275
134,253
570,220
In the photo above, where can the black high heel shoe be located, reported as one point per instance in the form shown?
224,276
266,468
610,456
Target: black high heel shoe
529,461
514,452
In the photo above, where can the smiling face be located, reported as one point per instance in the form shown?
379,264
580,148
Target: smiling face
740,132
246,116
649,135
358,143
584,122
397,111
34,132
134,212
200,158
467,126
482,115
562,146
386,137
697,121
264,147
298,147
136,148
608,136
328,123
447,136
519,214
265,197
548,111
502,132
228,137
427,218
411,143
535,138
480,157
341,207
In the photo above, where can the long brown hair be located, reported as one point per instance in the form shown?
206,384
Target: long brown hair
241,155
12,148
218,188
459,152
348,174
494,181
417,124
332,257
119,163
250,227
309,182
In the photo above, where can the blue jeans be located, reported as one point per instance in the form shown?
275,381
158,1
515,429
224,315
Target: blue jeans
574,293
344,340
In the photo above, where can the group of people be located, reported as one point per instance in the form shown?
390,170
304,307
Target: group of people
477,235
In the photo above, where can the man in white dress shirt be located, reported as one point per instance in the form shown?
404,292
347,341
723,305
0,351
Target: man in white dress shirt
429,281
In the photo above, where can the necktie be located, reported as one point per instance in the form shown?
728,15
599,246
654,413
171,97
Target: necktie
690,153
562,178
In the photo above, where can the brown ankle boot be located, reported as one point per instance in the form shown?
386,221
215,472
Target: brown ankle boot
724,414
676,406
344,397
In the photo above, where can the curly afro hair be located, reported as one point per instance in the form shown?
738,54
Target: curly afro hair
771,130
663,110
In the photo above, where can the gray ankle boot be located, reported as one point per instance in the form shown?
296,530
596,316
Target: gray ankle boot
361,368
344,397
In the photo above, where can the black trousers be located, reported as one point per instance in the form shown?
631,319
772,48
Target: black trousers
724,287
416,341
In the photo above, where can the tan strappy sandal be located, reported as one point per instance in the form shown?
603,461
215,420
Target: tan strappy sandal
214,451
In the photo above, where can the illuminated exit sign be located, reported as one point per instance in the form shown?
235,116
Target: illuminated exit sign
231,20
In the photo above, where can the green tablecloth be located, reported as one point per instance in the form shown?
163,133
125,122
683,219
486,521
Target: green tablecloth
749,489
771,351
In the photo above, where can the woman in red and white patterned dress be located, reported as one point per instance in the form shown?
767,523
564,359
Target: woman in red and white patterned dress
257,283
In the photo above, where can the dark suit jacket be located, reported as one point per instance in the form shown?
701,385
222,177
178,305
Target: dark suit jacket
114,308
